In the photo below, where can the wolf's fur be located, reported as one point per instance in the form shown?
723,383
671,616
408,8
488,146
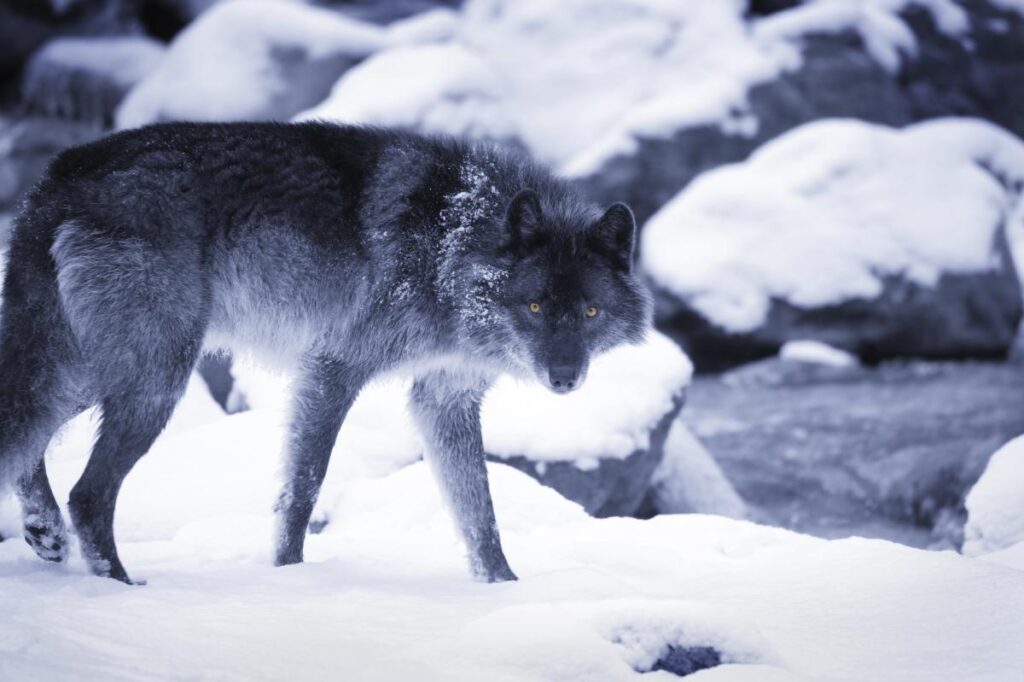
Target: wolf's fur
355,251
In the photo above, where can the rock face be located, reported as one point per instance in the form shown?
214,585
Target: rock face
979,72
885,243
609,486
886,452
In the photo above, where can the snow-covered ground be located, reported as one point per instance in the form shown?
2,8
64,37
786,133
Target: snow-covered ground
385,594
812,217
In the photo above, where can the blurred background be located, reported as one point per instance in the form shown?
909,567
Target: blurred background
829,193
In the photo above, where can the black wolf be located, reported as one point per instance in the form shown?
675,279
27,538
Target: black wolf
355,251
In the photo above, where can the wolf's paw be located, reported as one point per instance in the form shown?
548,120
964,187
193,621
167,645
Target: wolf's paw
48,540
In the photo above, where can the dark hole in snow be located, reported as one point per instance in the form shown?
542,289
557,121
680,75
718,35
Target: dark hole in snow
316,526
682,661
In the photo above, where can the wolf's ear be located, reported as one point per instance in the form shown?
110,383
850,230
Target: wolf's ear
523,220
615,235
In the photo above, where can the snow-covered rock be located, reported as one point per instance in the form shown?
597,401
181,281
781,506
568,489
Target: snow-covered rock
28,144
598,446
86,78
385,594
881,242
995,505
250,59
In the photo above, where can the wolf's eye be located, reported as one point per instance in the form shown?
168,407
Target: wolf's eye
591,311
535,307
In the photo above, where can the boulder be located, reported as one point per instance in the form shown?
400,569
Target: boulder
28,144
86,78
250,60
884,243
838,450
942,60
600,445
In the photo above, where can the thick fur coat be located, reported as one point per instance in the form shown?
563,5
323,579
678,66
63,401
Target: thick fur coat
350,251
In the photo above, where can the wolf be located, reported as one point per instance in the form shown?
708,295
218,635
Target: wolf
350,251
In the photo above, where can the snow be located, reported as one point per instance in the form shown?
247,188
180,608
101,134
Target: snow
1011,5
817,353
578,83
436,87
688,479
385,595
995,505
627,391
823,213
222,66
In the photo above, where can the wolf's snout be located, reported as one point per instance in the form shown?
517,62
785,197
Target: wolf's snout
564,378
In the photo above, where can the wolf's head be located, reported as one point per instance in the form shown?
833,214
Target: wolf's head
571,291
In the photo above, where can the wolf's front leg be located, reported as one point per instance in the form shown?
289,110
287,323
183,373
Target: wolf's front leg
448,413
323,396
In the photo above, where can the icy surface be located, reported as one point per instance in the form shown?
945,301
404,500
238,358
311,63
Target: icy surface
385,594
579,83
825,212
995,505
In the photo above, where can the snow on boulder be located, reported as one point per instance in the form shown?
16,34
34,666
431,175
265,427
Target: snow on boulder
599,445
433,87
86,78
995,505
877,241
248,60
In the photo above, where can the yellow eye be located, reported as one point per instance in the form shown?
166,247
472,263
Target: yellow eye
535,307
591,311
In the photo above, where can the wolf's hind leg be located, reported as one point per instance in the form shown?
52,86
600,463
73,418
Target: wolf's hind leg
44,528
131,422
327,390
448,414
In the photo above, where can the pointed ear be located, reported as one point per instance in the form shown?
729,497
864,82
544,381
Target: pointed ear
523,220
615,235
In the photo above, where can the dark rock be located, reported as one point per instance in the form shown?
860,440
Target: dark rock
973,315
86,78
378,12
28,146
615,487
884,452
982,76
684,661
27,24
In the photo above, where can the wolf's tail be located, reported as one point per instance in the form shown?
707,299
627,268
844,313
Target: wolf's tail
36,344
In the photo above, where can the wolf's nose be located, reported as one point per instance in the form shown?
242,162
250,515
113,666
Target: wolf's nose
563,378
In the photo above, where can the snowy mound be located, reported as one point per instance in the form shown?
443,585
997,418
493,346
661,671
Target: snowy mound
249,59
385,594
627,392
579,83
827,212
995,505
